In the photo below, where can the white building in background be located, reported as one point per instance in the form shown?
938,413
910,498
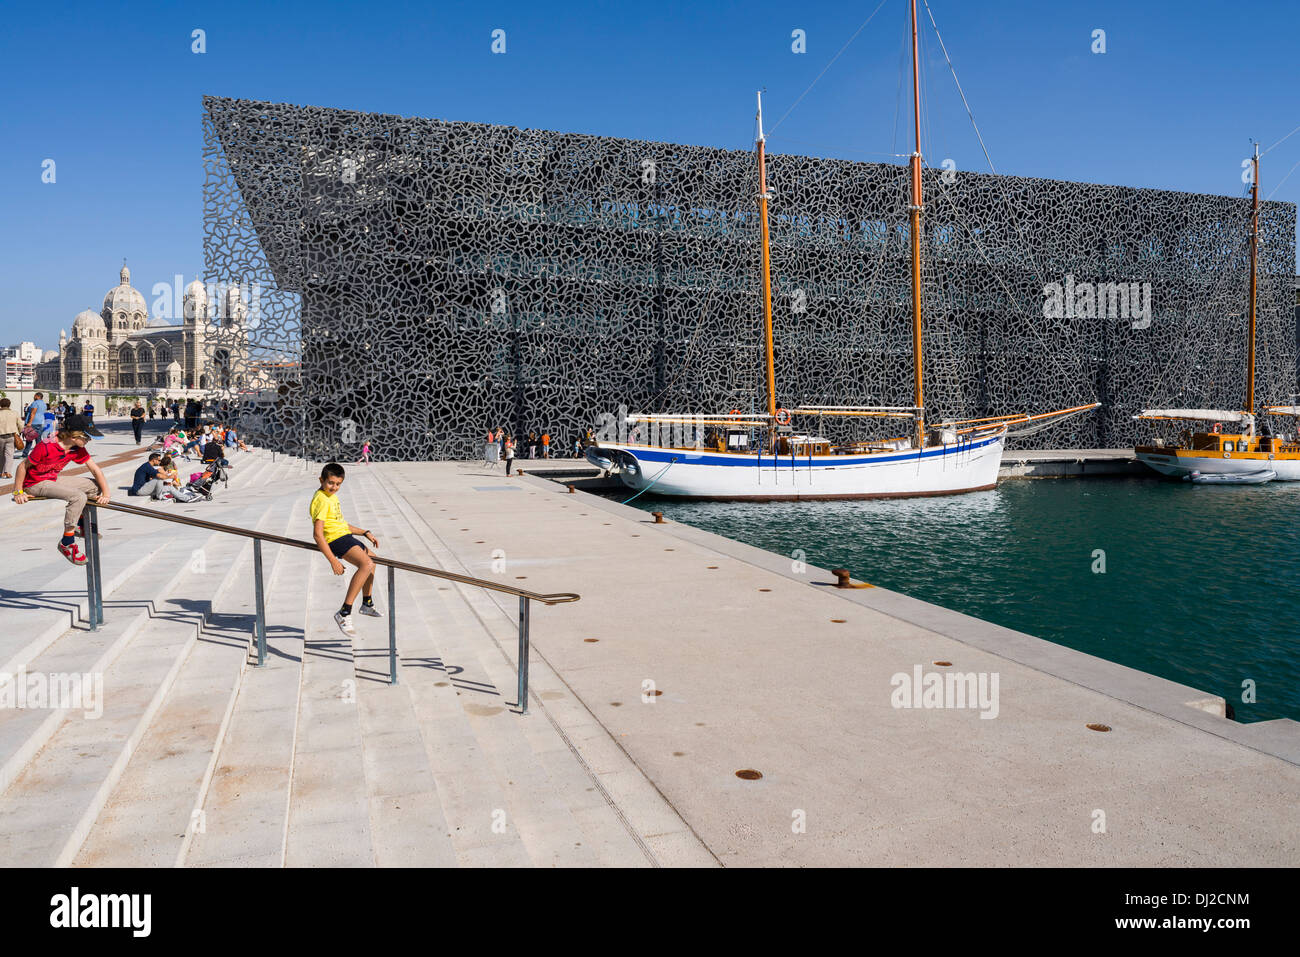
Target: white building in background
18,366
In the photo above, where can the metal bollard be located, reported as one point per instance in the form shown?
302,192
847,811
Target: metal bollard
659,517
523,655
842,577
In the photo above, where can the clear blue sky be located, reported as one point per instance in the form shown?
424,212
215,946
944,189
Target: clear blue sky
111,92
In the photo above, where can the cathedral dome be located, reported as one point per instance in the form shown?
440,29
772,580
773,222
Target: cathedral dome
124,299
87,323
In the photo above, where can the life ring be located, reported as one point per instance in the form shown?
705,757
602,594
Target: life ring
735,413
783,416
1218,427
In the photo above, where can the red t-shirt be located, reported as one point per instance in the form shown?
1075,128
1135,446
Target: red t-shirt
48,459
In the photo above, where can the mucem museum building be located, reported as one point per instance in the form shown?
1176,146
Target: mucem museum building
419,281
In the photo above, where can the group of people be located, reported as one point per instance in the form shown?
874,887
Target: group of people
38,477
178,441
502,446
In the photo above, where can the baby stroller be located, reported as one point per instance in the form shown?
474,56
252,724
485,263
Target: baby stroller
200,483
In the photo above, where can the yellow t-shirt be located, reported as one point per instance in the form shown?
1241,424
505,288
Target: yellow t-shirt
328,509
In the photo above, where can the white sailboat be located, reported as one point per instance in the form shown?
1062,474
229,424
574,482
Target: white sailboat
763,456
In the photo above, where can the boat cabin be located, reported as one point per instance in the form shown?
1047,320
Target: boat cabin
1233,442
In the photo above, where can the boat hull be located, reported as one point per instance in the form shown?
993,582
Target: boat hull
725,476
1179,463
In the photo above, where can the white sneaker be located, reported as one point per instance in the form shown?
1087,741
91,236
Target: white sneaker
345,624
370,611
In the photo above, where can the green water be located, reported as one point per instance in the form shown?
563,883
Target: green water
1201,583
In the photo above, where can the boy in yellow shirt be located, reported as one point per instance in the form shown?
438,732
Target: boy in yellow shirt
336,540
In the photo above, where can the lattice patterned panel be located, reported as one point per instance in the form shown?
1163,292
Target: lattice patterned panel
421,281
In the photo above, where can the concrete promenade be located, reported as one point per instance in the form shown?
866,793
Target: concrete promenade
690,657
764,667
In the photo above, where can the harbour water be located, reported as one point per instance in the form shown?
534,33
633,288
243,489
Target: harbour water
1197,584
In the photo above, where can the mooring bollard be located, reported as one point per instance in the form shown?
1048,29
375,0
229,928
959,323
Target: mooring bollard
570,488
659,517
842,574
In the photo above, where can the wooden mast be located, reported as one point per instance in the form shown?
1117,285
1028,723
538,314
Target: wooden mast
767,268
915,210
1254,258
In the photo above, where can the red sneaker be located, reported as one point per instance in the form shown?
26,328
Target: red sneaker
71,553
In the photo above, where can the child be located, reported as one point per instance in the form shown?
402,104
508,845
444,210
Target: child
336,540
168,472
38,477
365,452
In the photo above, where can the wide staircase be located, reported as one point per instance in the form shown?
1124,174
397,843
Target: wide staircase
201,758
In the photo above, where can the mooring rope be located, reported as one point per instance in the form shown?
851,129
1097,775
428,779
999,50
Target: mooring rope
656,478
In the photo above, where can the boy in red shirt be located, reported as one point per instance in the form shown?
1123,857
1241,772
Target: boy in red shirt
38,477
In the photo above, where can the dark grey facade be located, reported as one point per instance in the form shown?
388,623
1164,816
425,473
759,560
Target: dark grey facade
427,280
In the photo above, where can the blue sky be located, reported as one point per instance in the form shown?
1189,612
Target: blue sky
111,92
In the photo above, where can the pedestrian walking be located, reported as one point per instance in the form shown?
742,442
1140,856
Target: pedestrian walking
509,453
10,428
137,421
365,453
34,423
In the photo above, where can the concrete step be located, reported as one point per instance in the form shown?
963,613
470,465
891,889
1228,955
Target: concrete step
43,601
244,808
84,758
61,650
158,800
624,805
473,808
329,812
544,797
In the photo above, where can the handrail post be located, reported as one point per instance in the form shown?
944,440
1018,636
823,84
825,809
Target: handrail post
259,627
94,611
92,536
392,625
523,655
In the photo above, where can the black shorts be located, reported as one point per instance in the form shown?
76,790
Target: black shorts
344,544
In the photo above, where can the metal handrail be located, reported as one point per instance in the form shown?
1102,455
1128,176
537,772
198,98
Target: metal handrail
553,599
95,587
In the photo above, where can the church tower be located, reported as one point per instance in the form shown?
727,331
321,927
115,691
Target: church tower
194,358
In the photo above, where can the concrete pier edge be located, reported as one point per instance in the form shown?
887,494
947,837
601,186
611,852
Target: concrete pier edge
1278,738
